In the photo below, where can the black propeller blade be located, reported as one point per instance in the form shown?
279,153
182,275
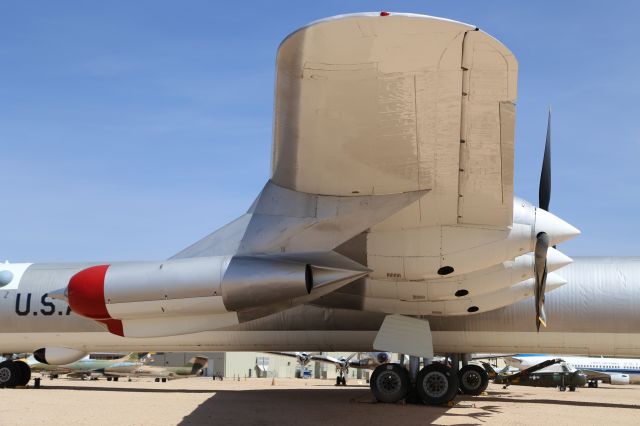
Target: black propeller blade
542,239
542,246
544,191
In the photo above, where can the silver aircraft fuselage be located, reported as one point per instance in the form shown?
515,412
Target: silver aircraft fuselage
597,312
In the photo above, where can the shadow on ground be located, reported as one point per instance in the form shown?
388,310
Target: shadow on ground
123,389
310,407
354,406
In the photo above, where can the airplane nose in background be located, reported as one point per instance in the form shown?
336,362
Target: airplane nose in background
557,229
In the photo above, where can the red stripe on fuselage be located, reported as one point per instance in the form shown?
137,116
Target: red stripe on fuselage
85,293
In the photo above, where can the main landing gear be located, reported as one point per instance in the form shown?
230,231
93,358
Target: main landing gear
435,384
341,380
14,373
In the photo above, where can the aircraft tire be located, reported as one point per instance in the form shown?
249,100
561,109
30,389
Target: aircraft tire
437,384
24,372
473,380
572,388
390,383
9,374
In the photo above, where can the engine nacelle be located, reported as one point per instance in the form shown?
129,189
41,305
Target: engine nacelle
383,357
189,295
58,356
619,379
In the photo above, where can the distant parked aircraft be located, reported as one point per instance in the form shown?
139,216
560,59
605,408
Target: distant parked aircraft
617,371
369,361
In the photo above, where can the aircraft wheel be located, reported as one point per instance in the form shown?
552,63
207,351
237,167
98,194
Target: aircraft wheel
109,379
164,380
344,381
390,383
338,381
115,379
562,388
9,374
473,379
572,388
157,379
437,384
24,372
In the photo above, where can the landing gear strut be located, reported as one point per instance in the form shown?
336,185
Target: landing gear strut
435,383
14,373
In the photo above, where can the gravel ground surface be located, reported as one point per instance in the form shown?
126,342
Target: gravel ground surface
295,401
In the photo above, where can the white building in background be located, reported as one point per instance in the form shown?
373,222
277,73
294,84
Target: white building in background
255,364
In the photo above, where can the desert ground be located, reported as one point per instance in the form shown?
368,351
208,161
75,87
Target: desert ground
200,401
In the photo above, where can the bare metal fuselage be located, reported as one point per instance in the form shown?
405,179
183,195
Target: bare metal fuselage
596,313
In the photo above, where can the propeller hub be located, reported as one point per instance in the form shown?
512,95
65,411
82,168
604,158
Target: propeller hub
557,229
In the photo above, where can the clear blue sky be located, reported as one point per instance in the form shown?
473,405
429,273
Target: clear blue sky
128,130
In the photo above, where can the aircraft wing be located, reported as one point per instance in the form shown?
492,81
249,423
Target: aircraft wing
289,354
599,375
364,127
326,358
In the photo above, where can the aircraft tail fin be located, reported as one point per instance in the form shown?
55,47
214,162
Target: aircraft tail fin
138,356
491,371
197,363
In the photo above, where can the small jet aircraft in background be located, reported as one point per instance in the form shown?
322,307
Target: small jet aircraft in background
369,361
563,378
616,371
128,369
114,366
90,366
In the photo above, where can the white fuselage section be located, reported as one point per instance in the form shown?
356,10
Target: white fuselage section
602,364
